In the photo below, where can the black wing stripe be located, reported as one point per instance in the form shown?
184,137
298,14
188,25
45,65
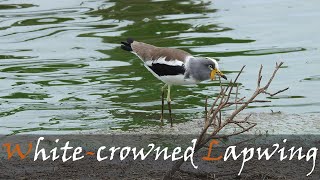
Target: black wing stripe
167,70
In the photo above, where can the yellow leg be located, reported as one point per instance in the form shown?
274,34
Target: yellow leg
162,99
169,104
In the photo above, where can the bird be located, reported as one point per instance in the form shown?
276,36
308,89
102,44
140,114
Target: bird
173,67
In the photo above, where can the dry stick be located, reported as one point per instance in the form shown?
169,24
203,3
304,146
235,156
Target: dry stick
220,120
214,122
235,81
280,91
224,136
206,126
240,142
244,121
221,91
213,116
246,118
201,142
237,92
223,103
273,75
220,83
215,101
254,101
177,165
220,106
206,110
256,93
259,76
238,101
238,124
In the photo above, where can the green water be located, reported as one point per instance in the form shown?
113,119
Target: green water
62,71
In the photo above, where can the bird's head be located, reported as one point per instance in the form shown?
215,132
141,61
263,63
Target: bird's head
213,67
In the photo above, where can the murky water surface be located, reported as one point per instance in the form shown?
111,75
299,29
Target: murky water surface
62,71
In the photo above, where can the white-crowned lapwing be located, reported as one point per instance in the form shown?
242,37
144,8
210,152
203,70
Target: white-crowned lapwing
173,66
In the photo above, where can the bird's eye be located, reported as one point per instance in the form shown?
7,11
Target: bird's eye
210,66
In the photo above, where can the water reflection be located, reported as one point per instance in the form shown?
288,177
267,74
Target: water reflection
62,69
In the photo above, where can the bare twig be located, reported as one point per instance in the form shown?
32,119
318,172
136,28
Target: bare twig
253,101
220,83
229,94
214,117
273,75
237,92
259,77
280,91
206,110
233,134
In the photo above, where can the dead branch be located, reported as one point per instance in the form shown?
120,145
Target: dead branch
214,119
237,92
206,109
280,91
254,101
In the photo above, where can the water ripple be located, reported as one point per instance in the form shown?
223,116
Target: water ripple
62,69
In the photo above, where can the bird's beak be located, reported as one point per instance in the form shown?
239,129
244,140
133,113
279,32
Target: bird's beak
217,71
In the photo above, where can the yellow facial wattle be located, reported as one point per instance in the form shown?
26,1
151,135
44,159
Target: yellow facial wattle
216,71
213,74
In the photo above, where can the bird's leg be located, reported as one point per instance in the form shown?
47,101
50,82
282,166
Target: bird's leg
169,104
162,106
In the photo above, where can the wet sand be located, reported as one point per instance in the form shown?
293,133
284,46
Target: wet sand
275,123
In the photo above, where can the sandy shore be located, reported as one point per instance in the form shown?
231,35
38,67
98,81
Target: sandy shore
267,123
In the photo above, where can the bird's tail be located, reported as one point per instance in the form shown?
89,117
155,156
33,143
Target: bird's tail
127,45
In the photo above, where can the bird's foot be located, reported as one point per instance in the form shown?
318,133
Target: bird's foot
161,120
170,114
171,122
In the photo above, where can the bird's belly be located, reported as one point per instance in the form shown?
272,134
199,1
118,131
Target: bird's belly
177,80
174,79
